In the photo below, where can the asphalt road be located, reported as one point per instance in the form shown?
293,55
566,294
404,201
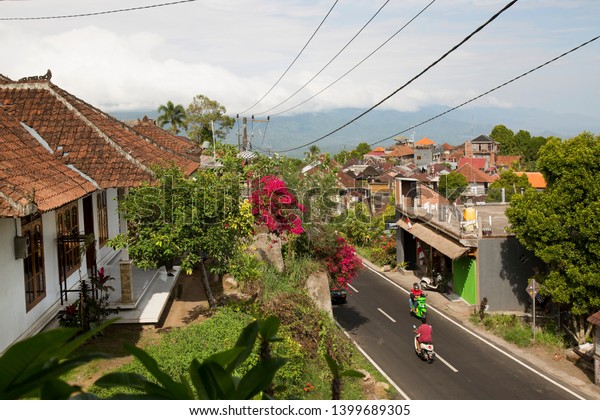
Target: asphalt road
377,318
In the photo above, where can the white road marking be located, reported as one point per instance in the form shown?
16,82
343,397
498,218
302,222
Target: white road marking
437,356
350,286
389,317
364,353
540,374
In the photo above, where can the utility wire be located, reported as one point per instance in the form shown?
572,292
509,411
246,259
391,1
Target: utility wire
490,20
358,64
100,13
295,59
490,91
328,63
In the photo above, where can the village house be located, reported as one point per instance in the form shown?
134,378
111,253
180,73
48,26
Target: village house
64,165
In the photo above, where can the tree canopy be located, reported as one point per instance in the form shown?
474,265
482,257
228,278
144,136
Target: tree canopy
512,184
452,185
561,225
173,116
201,114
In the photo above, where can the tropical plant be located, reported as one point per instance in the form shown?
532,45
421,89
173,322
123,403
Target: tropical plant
173,116
92,307
32,368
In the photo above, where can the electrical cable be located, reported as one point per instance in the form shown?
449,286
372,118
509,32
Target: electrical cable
328,63
359,63
295,59
100,13
490,20
489,91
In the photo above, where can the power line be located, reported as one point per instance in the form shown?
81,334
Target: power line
295,59
358,64
490,91
490,20
328,63
100,13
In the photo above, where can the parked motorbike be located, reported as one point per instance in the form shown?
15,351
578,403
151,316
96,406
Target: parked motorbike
434,282
424,350
419,308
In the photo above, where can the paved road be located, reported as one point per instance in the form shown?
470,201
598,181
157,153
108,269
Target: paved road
377,318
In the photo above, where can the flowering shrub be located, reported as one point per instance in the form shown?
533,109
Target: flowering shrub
274,206
383,251
342,262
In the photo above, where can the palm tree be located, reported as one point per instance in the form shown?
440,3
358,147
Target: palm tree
171,114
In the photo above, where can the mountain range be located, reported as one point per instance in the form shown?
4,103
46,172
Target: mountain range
293,135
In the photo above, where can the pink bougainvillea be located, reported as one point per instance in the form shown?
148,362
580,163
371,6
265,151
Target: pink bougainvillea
274,206
342,263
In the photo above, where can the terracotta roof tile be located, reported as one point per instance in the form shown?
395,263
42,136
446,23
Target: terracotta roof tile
425,142
473,174
507,160
178,144
479,163
95,143
30,177
536,179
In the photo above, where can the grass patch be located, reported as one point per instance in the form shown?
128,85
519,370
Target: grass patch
514,329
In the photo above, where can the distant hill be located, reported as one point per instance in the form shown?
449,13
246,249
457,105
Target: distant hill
283,133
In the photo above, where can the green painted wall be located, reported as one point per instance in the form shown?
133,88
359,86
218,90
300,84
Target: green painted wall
465,279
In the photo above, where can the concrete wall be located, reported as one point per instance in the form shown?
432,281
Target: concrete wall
504,268
15,322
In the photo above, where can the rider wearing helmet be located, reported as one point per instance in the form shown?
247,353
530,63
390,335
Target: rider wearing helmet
414,293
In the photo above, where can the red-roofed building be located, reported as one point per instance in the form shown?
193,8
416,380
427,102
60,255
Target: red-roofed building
63,166
536,179
509,162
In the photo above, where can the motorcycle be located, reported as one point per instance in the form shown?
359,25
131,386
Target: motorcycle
419,308
434,282
424,350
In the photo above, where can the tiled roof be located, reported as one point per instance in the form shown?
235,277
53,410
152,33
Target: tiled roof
425,142
401,151
178,144
448,147
507,160
31,178
536,179
595,318
473,174
479,163
95,143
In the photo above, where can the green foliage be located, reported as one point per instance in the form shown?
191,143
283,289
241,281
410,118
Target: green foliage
519,144
200,116
357,153
184,217
512,184
356,225
561,225
452,185
32,368
172,115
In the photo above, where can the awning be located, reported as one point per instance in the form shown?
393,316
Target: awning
431,237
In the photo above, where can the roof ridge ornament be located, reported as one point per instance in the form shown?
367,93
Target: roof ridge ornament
47,77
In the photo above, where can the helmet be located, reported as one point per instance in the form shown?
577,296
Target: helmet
416,286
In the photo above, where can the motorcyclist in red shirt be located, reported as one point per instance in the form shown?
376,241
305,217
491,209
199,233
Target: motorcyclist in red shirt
414,293
424,332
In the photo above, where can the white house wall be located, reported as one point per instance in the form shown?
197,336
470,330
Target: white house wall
15,322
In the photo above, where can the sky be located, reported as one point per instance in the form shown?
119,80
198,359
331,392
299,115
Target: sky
141,55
